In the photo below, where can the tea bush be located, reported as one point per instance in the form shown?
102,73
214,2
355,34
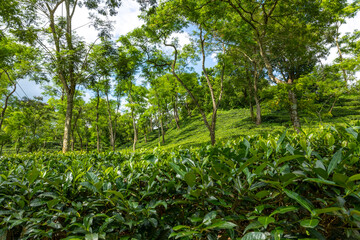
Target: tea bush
281,186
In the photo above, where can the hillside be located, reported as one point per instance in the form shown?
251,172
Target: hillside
237,122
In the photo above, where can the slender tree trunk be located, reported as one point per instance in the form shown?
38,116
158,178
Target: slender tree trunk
340,54
145,133
67,77
258,110
1,148
333,105
68,117
111,129
135,129
115,119
151,124
256,97
188,109
97,121
162,126
73,137
211,126
80,138
176,115
294,111
2,115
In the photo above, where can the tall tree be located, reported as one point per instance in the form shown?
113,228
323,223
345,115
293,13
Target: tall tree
68,54
174,16
290,36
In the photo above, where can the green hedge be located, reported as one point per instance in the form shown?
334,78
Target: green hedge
285,186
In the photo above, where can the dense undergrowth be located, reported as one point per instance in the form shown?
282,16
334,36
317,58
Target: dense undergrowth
280,186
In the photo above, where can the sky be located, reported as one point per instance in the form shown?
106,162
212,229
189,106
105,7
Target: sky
127,20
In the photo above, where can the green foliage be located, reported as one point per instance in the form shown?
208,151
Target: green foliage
274,187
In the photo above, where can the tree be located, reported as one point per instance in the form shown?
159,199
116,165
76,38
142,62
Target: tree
101,69
69,56
173,16
289,35
17,61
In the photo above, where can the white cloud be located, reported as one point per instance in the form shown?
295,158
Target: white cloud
183,37
350,25
125,21
127,18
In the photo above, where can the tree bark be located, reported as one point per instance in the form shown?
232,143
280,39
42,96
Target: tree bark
2,116
111,129
135,129
68,118
80,138
256,98
258,110
73,138
176,115
67,77
294,111
1,148
162,126
333,105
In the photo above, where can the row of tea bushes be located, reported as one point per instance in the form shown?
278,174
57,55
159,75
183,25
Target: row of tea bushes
285,186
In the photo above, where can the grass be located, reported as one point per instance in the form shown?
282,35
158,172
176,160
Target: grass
237,122
192,132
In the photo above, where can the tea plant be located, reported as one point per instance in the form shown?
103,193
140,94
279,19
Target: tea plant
282,186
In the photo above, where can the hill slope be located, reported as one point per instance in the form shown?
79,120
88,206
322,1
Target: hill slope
236,122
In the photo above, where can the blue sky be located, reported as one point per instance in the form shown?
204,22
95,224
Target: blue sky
127,20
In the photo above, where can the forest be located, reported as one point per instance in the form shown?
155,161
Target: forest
211,119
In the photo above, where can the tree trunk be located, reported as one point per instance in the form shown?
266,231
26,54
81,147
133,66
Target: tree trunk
111,129
333,105
135,129
294,111
249,95
188,109
73,138
176,115
68,117
256,98
1,148
151,124
145,133
97,121
258,110
2,116
17,146
80,139
161,125
212,136
340,54
215,104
